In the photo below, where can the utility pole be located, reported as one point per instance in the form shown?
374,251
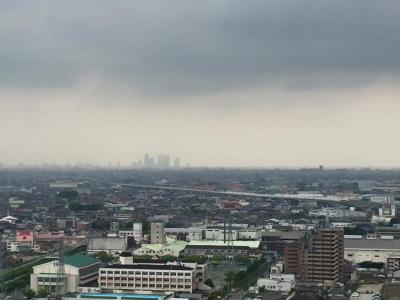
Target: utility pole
2,283
60,270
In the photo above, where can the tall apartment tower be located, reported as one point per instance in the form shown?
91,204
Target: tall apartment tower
320,260
291,253
157,234
138,232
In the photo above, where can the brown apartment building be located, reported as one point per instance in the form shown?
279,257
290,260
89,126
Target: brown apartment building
319,259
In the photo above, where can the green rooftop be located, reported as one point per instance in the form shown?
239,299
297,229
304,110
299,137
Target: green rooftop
80,260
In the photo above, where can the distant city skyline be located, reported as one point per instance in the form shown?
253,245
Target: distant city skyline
217,83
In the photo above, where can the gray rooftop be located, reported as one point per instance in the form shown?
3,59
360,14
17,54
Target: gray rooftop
377,244
285,234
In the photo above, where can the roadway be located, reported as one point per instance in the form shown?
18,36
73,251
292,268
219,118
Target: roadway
311,197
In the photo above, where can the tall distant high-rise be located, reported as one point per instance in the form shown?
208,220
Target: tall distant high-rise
177,163
146,161
163,161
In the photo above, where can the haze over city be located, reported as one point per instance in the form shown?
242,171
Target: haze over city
216,83
199,150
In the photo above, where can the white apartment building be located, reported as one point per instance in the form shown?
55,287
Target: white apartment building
138,232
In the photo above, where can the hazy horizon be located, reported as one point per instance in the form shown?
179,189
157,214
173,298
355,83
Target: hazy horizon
215,83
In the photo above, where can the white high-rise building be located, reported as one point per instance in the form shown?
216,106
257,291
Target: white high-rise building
138,232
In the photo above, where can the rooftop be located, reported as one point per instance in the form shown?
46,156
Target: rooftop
80,260
250,244
378,244
148,267
122,296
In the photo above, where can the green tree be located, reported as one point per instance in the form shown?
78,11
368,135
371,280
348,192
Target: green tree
101,223
242,260
66,194
104,257
168,258
42,293
229,278
209,282
217,258
29,293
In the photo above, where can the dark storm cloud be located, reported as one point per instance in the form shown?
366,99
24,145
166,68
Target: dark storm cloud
198,47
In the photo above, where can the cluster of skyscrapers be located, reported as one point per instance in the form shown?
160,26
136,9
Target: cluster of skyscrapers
162,161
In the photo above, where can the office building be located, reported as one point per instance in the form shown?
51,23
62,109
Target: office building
148,276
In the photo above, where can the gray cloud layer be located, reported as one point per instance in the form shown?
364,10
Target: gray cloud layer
215,82
198,47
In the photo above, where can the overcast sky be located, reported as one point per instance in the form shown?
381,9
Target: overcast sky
216,83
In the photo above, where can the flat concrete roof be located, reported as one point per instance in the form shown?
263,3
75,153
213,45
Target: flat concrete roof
378,244
250,244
